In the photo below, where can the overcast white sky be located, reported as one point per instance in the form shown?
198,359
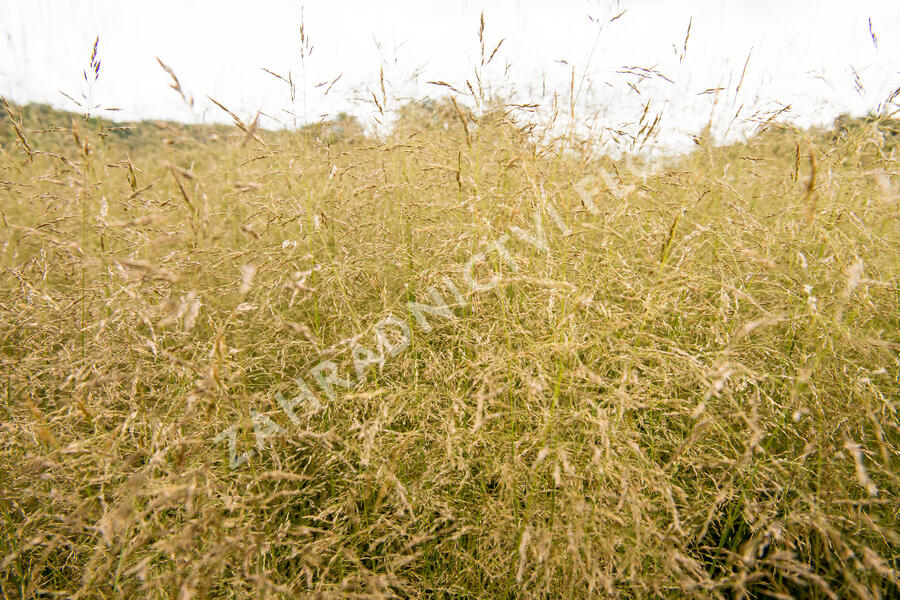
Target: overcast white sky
805,53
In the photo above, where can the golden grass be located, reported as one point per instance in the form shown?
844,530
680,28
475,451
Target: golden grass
687,387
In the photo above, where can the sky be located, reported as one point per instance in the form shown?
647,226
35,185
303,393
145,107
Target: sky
818,58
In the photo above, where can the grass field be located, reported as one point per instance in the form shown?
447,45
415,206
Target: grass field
671,383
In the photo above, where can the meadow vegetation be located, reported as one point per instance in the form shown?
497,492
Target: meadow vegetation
684,384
